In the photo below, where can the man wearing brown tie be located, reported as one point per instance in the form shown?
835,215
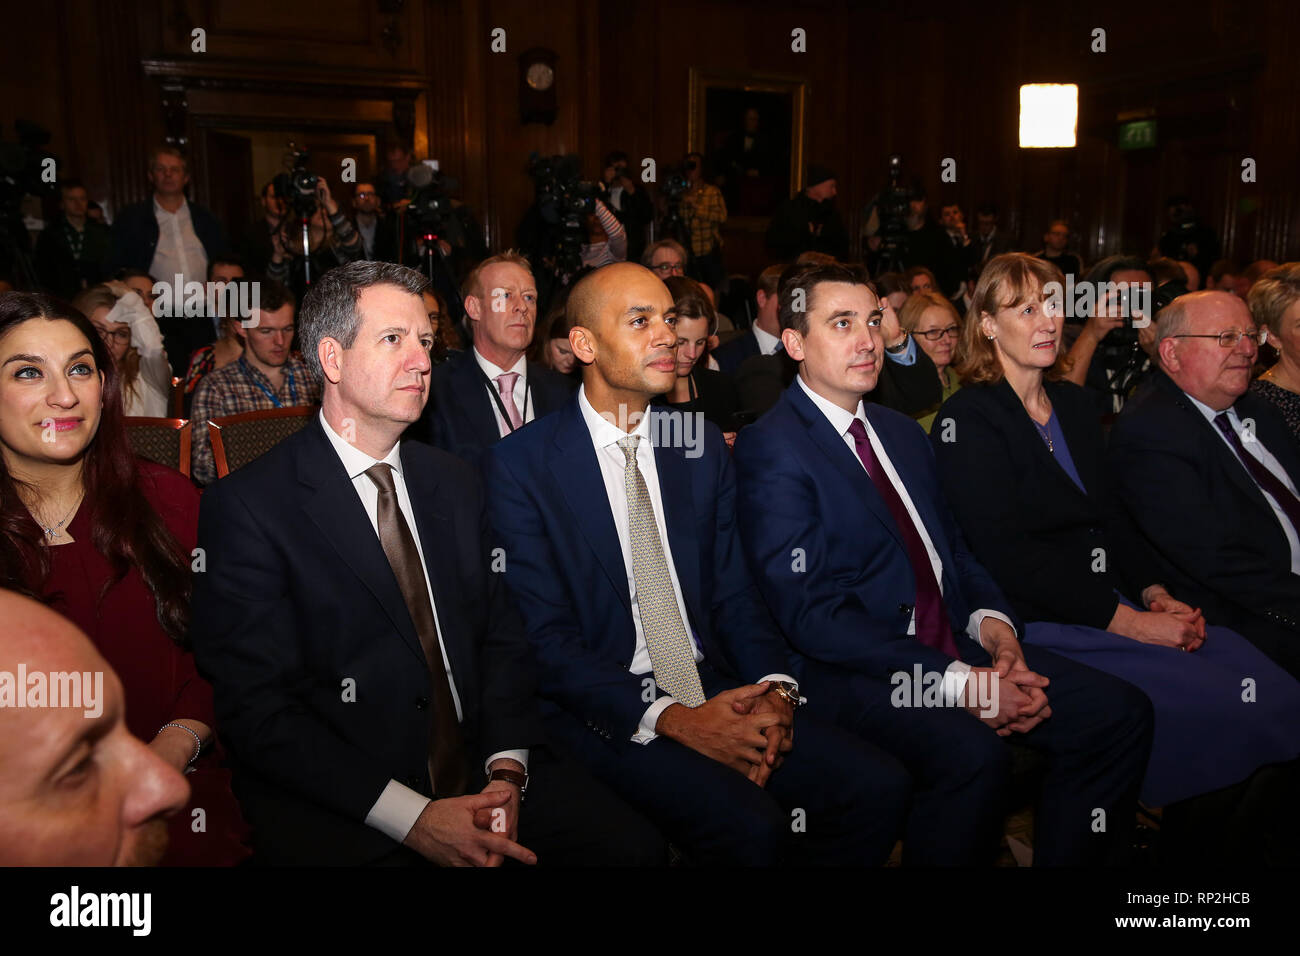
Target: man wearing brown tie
371,677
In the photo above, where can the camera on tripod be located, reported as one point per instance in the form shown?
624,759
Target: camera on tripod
893,207
429,214
297,187
564,202
21,167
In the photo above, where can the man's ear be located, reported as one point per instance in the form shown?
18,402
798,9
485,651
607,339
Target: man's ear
761,297
1168,353
473,307
583,344
330,355
792,341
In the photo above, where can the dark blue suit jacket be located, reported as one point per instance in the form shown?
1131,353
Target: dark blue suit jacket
734,351
459,417
827,552
550,511
297,597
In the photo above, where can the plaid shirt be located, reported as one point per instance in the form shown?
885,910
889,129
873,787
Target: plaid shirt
236,388
705,211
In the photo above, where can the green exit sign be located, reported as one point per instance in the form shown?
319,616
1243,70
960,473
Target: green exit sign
1140,134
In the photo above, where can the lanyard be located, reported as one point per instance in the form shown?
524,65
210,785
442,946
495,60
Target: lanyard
496,397
293,391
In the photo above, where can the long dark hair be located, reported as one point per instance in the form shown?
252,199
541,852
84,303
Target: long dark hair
125,529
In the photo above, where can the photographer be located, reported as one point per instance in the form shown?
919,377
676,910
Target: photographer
704,211
809,222
1114,352
629,201
332,241
606,238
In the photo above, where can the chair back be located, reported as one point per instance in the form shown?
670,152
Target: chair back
162,440
239,439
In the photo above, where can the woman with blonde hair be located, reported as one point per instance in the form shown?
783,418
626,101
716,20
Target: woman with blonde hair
932,320
135,343
1274,302
1020,458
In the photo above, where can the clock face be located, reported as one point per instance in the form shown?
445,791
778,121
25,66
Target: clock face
540,76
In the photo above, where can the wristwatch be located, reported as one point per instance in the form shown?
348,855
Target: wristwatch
787,692
520,780
895,349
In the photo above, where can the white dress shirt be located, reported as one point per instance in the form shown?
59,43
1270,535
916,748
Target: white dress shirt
955,675
179,250
605,436
523,398
398,807
767,342
1255,447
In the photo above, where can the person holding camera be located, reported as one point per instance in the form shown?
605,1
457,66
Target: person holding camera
628,202
705,211
332,240
1115,349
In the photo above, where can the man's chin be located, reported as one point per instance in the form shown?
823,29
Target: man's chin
150,845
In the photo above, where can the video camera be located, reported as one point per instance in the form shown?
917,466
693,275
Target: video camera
297,187
430,214
893,207
563,202
21,167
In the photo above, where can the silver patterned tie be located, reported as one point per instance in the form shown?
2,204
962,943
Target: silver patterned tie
670,648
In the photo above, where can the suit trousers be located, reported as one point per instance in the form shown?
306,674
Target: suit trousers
836,799
1096,744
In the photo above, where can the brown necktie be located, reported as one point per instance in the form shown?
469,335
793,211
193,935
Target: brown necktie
447,768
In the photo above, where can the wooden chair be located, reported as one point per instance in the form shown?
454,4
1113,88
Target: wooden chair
239,439
162,440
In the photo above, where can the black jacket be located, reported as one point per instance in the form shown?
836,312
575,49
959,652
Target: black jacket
135,236
1026,521
1220,544
63,274
801,224
459,417
298,599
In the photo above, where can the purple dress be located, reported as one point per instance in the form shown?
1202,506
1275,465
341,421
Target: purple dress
1221,712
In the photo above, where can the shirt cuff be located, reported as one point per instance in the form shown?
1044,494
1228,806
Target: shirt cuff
785,679
977,618
396,810
907,356
519,755
954,682
646,729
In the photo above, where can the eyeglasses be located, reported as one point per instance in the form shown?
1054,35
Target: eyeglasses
935,335
120,335
668,268
364,195
1228,339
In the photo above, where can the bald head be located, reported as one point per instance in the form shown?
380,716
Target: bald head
624,332
76,789
1187,333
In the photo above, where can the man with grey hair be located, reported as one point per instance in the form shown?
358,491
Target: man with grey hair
1207,473
370,674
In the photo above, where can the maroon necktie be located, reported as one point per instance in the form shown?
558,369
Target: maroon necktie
1266,480
933,627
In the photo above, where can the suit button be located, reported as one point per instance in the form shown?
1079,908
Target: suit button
904,609
421,703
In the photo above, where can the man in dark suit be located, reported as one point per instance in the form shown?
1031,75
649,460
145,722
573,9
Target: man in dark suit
764,336
371,677
1208,474
863,567
490,390
907,382
660,667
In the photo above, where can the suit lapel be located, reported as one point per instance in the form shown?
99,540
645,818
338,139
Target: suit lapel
475,404
437,544
679,516
338,514
845,461
578,473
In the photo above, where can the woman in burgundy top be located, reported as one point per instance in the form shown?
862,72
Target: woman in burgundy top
107,540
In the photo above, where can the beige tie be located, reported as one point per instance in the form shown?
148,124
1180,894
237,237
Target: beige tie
671,652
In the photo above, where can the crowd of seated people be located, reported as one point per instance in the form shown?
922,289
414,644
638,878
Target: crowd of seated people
555,582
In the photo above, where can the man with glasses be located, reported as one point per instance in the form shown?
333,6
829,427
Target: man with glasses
1208,474
167,235
377,230
665,258
267,375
